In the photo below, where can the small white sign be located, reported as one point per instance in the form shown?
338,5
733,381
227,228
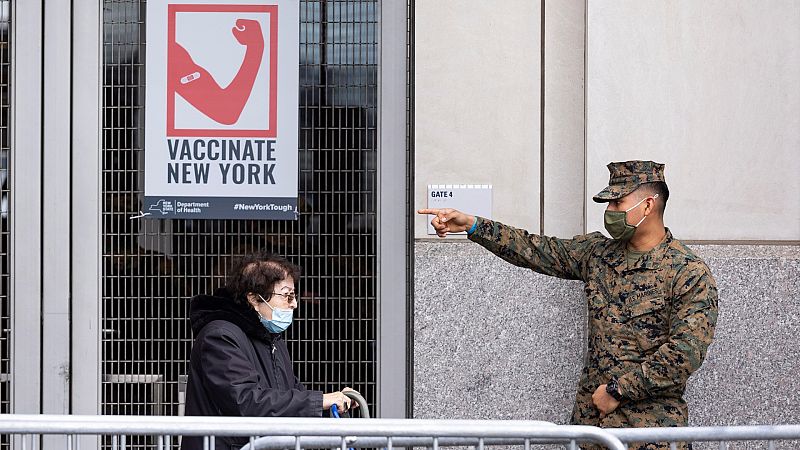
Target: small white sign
475,199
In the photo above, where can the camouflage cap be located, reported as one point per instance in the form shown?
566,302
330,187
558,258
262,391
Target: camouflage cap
627,176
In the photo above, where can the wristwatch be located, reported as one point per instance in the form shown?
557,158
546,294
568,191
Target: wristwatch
612,388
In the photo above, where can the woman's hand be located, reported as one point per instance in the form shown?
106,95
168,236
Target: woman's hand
342,402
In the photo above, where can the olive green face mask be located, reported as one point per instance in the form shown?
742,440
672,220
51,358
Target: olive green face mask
616,222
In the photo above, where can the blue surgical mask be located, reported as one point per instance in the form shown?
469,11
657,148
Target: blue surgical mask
281,318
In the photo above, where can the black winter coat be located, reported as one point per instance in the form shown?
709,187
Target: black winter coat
237,368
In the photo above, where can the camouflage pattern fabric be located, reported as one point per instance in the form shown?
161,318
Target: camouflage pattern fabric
650,322
625,177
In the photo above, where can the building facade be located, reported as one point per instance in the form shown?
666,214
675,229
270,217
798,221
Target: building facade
534,99
531,97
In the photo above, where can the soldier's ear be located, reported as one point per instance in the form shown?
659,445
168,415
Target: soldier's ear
651,204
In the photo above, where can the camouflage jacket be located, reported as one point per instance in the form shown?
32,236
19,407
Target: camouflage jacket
649,324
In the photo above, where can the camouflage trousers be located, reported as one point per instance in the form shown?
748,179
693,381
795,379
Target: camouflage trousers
660,412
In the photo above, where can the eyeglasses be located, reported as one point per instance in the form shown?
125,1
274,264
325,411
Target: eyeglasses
290,297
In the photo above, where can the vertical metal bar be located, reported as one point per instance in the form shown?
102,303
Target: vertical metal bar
389,444
527,444
480,444
113,442
56,220
323,50
86,193
392,233
25,215
673,446
206,443
573,445
770,445
435,443
410,200
6,237
723,445
297,443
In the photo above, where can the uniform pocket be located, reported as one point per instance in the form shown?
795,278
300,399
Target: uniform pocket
648,318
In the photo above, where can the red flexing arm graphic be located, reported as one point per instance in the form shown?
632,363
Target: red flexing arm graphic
198,87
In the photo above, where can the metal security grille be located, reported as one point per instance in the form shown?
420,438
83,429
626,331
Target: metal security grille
151,268
5,214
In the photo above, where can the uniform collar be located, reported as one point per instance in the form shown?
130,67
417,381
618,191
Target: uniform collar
649,260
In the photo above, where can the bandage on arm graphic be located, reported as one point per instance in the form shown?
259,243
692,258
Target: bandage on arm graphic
196,85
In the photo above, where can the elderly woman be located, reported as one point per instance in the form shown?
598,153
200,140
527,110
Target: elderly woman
240,365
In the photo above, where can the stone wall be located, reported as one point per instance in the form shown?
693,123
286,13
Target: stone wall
493,341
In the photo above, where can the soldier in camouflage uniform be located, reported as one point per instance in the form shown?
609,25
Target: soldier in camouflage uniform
652,303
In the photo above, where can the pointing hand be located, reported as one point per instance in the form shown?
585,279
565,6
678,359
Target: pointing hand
449,220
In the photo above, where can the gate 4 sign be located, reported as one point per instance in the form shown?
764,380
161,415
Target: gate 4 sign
221,109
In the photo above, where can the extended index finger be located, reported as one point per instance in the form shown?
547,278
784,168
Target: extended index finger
434,211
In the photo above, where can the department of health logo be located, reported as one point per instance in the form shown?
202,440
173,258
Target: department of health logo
222,77
162,206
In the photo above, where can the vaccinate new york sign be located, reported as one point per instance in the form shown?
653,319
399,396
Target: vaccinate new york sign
221,109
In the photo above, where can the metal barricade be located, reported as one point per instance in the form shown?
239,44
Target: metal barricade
723,436
300,433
